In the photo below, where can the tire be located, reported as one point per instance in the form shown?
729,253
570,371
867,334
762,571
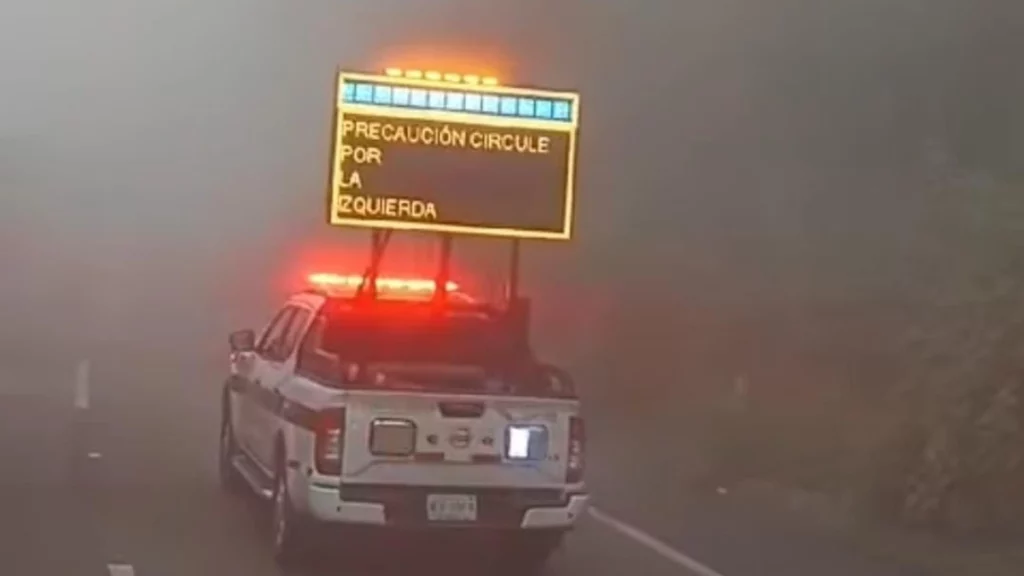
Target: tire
230,479
289,539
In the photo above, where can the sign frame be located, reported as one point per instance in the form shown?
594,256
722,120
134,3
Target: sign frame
341,107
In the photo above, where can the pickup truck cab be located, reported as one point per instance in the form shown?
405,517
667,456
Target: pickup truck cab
399,414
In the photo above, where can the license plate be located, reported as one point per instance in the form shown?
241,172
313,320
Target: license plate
451,508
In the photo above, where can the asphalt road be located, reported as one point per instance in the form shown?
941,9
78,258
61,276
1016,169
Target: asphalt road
117,477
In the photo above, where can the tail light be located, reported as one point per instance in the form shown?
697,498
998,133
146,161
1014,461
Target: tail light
330,441
577,441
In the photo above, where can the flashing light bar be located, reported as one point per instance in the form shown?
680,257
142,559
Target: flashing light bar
353,281
458,100
442,77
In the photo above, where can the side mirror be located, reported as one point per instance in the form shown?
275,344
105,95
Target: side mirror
242,341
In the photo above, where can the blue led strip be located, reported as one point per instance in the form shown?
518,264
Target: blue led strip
555,109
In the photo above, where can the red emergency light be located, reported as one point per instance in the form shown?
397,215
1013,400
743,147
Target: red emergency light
328,280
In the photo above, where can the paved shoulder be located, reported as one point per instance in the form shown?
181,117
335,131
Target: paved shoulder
729,535
45,523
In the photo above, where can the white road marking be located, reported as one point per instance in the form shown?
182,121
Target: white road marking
95,455
82,385
121,570
652,543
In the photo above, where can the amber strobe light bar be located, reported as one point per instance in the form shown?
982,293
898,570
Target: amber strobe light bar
456,153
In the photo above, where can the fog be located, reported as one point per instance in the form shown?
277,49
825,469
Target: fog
164,163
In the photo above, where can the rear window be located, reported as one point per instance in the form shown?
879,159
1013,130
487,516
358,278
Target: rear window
418,336
420,349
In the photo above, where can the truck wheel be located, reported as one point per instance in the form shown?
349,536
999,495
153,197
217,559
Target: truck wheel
230,480
289,541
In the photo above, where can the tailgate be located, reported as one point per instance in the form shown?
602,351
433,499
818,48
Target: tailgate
455,440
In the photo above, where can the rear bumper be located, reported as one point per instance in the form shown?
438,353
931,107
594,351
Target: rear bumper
404,507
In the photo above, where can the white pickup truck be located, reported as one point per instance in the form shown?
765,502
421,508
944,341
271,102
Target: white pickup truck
406,416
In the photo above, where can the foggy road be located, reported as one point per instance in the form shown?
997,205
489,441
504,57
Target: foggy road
125,476
822,196
114,472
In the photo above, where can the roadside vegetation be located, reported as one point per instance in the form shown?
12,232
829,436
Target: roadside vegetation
885,398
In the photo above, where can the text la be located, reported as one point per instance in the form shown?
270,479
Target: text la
350,180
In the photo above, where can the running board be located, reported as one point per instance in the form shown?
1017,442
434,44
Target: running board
253,476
